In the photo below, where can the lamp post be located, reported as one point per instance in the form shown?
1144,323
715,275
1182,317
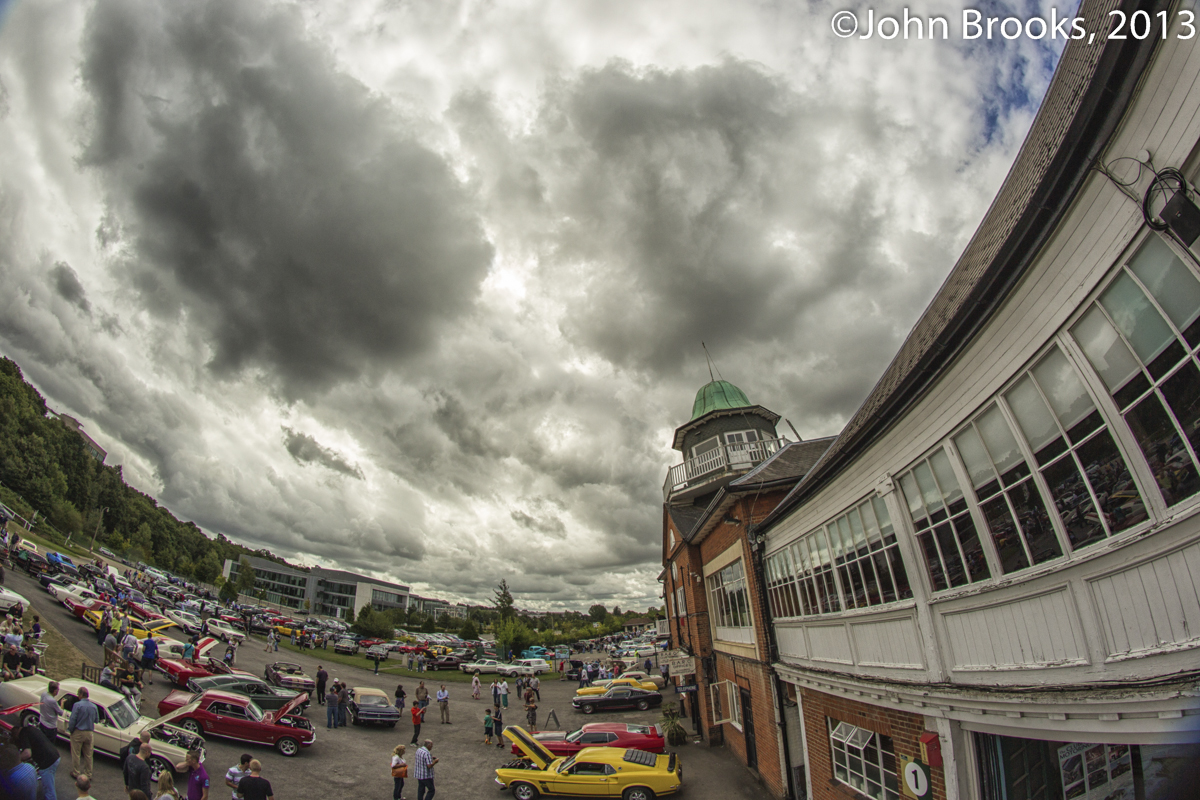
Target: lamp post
100,522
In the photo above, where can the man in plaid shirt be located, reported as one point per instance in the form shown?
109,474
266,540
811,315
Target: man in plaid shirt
424,771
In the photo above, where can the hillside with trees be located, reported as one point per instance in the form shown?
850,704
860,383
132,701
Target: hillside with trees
45,467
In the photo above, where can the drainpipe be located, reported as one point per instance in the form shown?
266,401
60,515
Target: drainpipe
772,652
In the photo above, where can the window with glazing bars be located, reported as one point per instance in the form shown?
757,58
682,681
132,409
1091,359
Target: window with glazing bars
864,760
945,529
1141,336
1009,499
1093,492
852,562
730,603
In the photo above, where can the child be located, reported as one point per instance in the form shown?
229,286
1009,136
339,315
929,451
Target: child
487,726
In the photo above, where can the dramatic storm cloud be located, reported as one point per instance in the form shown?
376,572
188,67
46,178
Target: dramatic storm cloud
419,289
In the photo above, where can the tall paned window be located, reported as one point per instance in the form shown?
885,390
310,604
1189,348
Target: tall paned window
1141,336
1092,489
1012,506
729,601
945,530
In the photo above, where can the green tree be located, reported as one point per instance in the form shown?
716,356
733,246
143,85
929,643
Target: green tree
469,632
350,615
208,569
504,601
513,635
372,624
616,611
597,613
245,576
228,591
429,626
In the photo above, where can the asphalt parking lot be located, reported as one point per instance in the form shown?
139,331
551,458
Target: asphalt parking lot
354,761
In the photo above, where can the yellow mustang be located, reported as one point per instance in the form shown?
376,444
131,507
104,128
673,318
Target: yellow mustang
140,630
604,686
592,772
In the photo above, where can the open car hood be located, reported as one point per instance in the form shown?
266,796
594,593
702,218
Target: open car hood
530,747
289,707
205,646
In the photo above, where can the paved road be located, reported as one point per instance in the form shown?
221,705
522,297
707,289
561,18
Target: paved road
353,762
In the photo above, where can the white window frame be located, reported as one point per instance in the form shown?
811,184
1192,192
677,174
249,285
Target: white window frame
725,703
729,603
851,742
680,602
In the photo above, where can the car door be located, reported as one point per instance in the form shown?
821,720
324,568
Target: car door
585,779
234,723
620,697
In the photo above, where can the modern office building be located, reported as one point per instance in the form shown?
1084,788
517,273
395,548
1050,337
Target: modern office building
329,592
989,585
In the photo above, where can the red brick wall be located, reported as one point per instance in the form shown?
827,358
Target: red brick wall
757,679
904,728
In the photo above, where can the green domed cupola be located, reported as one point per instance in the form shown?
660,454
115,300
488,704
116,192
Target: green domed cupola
718,396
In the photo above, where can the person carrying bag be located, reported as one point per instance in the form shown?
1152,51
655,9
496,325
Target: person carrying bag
399,771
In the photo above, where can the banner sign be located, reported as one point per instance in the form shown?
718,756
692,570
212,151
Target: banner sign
686,688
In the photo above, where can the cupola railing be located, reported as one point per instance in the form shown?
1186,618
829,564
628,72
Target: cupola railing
721,460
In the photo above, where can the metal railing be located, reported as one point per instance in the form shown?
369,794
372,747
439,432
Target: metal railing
736,456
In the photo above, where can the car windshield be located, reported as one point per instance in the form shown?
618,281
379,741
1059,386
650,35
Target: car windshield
254,712
373,700
574,735
123,713
566,765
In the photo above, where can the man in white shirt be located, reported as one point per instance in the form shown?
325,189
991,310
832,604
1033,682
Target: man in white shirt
504,692
237,772
443,701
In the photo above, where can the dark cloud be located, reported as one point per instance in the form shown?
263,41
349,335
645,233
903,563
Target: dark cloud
551,526
287,211
67,284
307,450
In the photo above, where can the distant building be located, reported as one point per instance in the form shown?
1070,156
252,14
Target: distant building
637,625
92,447
330,592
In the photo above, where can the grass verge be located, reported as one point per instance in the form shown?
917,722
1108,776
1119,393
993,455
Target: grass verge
62,659
390,667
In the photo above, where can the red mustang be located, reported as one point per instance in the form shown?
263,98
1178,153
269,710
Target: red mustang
602,734
236,716
180,670
145,611
78,607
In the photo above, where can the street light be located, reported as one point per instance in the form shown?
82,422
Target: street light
97,533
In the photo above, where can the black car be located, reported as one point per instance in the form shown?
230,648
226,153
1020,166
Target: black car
266,696
573,668
32,563
616,698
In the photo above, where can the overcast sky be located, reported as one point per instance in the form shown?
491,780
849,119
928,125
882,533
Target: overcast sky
418,288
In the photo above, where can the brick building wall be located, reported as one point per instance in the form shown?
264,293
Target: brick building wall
905,730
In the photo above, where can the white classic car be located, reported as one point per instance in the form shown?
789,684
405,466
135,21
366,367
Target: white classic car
119,720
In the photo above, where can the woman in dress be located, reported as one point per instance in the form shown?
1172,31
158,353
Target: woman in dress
475,686
400,695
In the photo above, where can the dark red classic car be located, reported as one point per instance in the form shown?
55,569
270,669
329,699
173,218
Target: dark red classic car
601,734
180,670
78,607
234,716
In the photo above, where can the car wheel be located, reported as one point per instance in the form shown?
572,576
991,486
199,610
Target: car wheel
157,767
638,793
524,791
287,746
643,705
588,708
391,724
30,719
191,726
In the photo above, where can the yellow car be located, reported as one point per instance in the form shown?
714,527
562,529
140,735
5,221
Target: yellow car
604,686
140,630
592,772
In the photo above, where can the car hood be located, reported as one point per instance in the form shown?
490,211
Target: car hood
531,748
289,707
